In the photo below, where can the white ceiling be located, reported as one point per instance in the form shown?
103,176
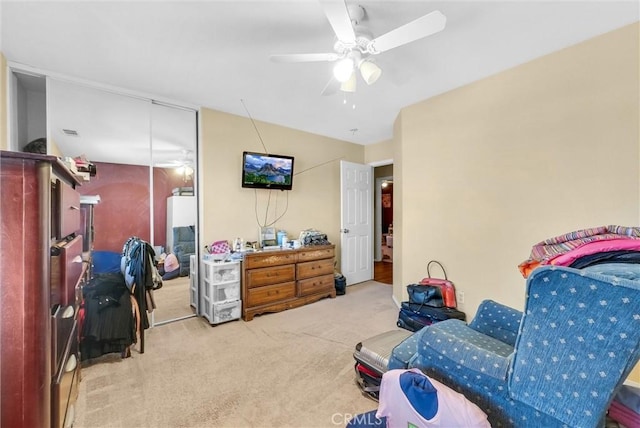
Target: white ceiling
216,53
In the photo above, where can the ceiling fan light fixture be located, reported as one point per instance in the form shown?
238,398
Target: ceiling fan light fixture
349,85
370,72
185,171
343,70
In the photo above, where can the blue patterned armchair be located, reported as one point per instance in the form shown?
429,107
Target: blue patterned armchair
184,245
558,364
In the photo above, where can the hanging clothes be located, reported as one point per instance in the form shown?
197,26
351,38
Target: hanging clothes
141,275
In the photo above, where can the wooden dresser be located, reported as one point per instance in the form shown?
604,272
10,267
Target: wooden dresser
277,280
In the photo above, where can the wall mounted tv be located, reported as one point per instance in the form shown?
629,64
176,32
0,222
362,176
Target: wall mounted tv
266,171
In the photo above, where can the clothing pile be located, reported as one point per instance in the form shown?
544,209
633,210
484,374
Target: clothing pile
107,323
585,248
313,237
409,398
625,407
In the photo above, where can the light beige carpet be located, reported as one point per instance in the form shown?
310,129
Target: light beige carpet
289,369
172,300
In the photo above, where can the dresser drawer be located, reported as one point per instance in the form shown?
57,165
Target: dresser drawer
69,210
314,268
315,285
315,254
271,294
63,322
64,385
275,258
66,271
270,275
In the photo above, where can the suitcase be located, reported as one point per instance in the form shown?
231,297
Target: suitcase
414,316
447,288
372,357
412,321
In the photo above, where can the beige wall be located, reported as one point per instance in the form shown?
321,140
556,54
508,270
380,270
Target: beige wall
4,139
230,211
487,170
378,152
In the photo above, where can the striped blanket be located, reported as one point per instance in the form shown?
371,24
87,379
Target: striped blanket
545,251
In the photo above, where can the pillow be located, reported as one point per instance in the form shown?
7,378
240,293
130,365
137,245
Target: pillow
106,261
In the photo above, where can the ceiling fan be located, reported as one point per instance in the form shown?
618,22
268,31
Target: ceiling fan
355,45
168,159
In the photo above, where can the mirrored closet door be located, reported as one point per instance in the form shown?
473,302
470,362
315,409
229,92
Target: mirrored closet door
173,142
145,157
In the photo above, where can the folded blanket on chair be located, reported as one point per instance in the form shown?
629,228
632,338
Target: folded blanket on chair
546,250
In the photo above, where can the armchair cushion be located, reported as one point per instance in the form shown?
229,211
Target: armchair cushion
405,351
469,348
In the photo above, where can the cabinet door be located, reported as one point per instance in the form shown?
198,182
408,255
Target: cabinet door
69,212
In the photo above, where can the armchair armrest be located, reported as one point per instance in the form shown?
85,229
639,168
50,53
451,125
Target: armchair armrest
498,321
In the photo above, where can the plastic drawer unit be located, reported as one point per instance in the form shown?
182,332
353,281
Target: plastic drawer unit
220,298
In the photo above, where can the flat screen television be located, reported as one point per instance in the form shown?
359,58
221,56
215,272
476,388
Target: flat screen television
267,171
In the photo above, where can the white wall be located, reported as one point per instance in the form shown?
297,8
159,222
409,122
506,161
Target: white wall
4,115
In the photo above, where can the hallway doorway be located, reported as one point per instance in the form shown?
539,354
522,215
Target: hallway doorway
383,262
383,272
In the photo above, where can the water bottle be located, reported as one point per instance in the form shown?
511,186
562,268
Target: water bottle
282,237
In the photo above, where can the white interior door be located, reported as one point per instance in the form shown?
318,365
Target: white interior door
356,228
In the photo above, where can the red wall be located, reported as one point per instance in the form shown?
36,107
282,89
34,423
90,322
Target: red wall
124,208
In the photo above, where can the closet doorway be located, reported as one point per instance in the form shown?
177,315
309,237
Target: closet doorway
144,152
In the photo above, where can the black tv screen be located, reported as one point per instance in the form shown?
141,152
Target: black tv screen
266,171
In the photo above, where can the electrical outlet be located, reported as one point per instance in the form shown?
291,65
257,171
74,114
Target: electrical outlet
460,296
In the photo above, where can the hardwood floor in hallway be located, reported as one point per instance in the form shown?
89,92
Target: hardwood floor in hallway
383,272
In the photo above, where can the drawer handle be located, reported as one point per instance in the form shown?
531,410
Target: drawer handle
68,312
73,207
71,363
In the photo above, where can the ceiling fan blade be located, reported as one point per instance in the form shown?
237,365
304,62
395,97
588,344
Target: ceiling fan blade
338,16
305,57
424,26
331,87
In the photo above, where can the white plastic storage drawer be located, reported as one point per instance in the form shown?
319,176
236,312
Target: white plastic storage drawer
221,282
224,292
219,273
222,312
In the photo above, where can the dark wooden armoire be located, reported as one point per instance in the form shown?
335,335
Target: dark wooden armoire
40,273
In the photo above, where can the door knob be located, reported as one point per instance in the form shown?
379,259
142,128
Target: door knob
344,230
